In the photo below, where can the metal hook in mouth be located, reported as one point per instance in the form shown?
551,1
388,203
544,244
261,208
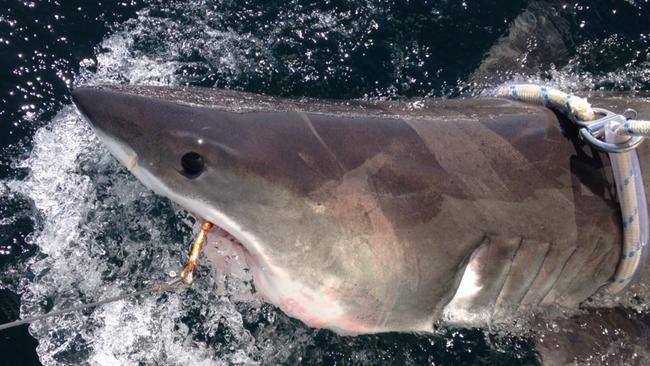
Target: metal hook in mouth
187,276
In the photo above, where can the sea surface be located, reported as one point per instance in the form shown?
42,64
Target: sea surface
76,227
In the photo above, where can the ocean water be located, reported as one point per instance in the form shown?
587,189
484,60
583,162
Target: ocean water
75,226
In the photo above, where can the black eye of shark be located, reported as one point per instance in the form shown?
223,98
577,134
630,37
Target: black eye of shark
192,164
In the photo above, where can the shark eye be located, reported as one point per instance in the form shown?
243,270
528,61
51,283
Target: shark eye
192,164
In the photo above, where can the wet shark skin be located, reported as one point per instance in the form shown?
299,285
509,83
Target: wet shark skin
375,209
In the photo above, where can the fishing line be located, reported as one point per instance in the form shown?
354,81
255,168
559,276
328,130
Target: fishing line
162,287
186,277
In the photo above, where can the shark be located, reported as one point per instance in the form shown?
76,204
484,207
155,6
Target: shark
382,216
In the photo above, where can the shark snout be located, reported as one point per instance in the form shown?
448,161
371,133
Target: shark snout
114,122
109,111
92,103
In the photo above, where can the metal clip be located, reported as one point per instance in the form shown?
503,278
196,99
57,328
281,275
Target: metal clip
593,131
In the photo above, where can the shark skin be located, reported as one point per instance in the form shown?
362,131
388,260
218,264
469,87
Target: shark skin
368,217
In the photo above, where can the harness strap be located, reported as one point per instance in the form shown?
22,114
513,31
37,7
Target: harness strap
619,137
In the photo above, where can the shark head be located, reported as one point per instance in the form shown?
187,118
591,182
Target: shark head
219,154
200,151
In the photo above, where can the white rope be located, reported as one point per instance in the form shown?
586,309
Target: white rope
634,209
576,106
627,173
634,128
550,97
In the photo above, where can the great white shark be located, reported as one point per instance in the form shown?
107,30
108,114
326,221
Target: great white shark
367,217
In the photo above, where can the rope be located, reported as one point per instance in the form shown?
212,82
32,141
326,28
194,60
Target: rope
550,97
634,128
625,166
153,289
567,103
631,197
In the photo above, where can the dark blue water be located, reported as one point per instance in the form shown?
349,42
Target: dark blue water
61,194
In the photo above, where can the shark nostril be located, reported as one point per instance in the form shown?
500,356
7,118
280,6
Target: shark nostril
192,164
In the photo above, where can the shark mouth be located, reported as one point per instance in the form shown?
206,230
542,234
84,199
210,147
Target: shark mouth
226,227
